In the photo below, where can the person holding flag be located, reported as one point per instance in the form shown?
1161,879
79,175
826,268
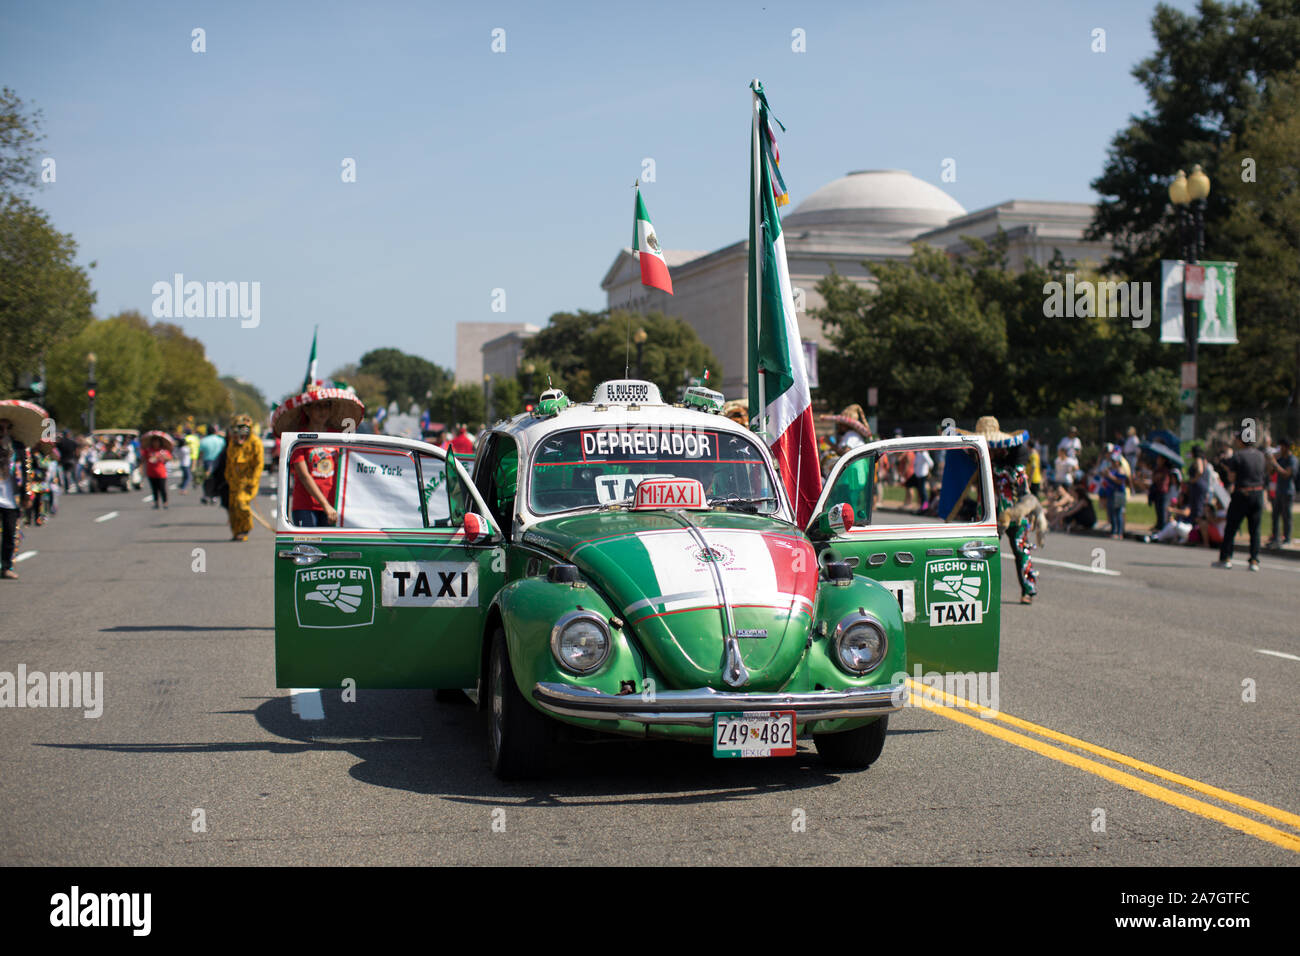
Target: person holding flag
780,403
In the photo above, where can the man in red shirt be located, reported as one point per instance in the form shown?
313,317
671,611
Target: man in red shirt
462,444
314,469
155,469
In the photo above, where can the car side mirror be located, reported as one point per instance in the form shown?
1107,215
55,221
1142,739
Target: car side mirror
476,527
837,519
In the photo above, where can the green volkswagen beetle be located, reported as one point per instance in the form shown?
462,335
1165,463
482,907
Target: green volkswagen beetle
626,566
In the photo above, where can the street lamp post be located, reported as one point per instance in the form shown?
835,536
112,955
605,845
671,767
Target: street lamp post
487,395
1188,194
639,337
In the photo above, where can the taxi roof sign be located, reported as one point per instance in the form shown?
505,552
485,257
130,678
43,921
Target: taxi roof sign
627,391
668,492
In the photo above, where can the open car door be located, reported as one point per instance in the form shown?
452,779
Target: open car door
394,594
942,565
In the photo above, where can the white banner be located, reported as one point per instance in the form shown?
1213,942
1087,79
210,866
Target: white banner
1218,308
379,491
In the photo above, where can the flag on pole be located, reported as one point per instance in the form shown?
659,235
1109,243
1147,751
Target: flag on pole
311,363
779,400
645,246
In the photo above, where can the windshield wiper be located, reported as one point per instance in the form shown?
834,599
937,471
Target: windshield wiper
740,503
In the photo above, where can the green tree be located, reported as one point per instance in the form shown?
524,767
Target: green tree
45,297
407,378
369,388
245,399
188,386
1263,230
1218,79
128,369
1210,71
458,405
966,336
579,350
507,398
20,134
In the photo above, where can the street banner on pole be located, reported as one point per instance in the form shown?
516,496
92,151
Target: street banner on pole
780,402
1218,302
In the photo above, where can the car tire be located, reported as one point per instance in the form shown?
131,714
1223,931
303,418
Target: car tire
519,737
854,749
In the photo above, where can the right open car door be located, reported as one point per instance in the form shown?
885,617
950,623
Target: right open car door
941,562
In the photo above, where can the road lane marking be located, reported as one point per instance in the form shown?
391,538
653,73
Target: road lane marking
147,500
107,517
1066,564
306,703
1262,831
31,554
1259,650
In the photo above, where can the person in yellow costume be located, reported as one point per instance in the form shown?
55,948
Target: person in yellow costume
243,472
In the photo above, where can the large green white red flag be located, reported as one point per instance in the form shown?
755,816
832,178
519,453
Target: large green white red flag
645,245
780,404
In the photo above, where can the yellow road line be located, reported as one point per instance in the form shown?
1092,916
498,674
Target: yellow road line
1256,829
1227,796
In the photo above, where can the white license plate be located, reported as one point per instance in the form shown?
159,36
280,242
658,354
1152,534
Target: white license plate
754,733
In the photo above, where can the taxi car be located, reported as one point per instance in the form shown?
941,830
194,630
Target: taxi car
626,566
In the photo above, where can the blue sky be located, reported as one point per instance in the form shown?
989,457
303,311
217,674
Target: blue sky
479,170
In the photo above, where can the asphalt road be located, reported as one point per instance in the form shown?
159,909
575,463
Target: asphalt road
1144,668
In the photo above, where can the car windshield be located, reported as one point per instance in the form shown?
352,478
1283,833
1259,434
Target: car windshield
600,466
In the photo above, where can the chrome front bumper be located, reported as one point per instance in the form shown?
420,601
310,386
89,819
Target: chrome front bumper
697,707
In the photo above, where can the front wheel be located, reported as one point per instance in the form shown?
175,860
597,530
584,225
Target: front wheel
519,737
853,749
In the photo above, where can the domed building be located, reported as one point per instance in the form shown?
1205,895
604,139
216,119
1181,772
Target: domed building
866,216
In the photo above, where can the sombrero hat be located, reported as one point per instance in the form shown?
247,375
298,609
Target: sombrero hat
167,439
988,427
737,411
852,417
288,415
28,419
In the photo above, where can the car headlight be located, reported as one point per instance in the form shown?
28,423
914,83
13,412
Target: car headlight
580,641
860,643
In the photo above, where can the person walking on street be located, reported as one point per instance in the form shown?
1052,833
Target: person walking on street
243,474
13,488
1285,465
1247,467
185,462
156,457
1010,459
210,449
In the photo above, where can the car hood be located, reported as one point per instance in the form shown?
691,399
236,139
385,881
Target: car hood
674,576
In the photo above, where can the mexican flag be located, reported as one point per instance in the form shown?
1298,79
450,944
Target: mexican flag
645,245
311,363
780,405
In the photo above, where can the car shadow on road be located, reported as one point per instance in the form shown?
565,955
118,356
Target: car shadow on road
407,740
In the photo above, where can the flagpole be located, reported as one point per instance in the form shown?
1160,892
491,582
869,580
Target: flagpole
756,255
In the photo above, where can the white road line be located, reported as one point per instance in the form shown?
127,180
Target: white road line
1290,657
1066,564
147,500
108,517
306,703
25,555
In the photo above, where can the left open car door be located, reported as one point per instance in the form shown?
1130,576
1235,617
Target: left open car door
942,564
394,594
